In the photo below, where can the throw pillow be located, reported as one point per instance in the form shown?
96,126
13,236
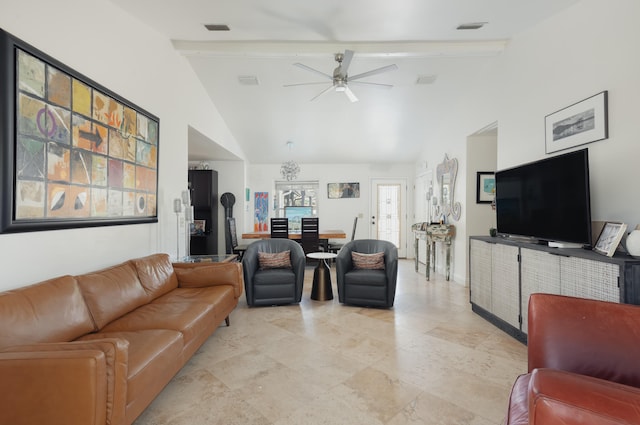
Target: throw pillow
368,261
277,260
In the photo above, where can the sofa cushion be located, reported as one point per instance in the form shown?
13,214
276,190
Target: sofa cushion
50,311
189,318
156,274
151,353
518,413
112,292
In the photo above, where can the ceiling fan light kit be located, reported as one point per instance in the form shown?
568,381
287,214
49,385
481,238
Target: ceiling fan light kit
340,78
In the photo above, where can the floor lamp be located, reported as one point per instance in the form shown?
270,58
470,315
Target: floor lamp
188,219
177,208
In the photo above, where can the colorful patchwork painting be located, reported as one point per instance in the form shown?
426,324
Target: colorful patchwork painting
80,152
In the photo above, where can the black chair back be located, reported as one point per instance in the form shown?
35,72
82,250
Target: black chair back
355,224
232,239
233,233
310,235
279,227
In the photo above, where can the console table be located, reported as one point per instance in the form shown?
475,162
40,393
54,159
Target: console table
432,233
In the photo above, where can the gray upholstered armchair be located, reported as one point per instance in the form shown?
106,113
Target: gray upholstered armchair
273,286
367,287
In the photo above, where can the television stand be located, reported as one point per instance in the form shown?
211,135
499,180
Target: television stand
554,244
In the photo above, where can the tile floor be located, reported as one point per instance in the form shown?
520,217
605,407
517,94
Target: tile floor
428,360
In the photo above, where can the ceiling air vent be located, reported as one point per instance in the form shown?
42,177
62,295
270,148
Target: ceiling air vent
217,27
426,79
471,26
248,80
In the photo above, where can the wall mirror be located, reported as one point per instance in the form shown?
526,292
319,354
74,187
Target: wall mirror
446,175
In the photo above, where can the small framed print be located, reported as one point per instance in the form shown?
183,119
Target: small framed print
485,187
199,226
610,238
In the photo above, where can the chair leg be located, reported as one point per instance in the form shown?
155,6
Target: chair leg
226,320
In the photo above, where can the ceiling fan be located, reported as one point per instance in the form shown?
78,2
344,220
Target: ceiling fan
341,79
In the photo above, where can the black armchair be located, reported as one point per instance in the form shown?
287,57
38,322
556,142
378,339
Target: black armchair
367,287
277,285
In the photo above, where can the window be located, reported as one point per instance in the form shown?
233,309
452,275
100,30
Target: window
296,194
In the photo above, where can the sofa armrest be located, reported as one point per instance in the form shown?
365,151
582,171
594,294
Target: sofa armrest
79,382
53,388
196,275
588,337
564,398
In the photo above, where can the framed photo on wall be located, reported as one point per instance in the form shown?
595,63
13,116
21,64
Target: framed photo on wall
583,122
485,187
74,154
610,238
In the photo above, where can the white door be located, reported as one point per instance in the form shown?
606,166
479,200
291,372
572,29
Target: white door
388,212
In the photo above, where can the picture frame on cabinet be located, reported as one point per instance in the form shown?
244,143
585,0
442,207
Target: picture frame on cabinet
610,238
583,122
74,154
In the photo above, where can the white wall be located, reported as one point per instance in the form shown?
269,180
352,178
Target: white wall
98,40
335,213
584,50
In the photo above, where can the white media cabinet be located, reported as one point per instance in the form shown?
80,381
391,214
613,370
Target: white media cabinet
503,274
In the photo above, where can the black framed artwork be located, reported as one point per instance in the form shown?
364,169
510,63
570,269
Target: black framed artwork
74,153
485,187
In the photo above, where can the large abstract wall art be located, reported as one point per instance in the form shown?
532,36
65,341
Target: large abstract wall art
74,153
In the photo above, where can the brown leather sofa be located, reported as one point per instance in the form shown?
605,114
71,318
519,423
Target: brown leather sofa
584,364
98,348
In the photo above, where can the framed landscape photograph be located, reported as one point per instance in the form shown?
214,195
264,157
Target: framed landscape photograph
610,238
583,122
74,154
343,190
485,187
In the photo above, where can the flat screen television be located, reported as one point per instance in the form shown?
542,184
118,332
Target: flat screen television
547,200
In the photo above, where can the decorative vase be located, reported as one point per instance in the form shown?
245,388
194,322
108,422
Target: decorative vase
633,243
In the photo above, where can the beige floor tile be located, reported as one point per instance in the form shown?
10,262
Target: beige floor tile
428,360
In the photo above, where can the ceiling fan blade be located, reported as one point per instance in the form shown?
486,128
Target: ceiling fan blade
315,71
322,92
304,84
352,97
374,72
346,61
379,85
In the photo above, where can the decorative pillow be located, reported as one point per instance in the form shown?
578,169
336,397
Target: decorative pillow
278,260
368,261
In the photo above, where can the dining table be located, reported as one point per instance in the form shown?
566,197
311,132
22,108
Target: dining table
323,234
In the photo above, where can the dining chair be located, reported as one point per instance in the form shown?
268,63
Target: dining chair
310,237
335,247
279,227
232,237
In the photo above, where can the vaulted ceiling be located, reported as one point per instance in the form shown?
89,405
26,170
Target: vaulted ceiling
245,69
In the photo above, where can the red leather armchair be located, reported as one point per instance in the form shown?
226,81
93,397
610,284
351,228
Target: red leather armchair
584,364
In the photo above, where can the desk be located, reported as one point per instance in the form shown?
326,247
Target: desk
321,289
324,234
433,233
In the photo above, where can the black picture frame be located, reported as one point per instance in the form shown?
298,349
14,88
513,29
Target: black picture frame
485,187
583,122
74,153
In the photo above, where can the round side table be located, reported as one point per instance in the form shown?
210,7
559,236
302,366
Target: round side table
321,289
